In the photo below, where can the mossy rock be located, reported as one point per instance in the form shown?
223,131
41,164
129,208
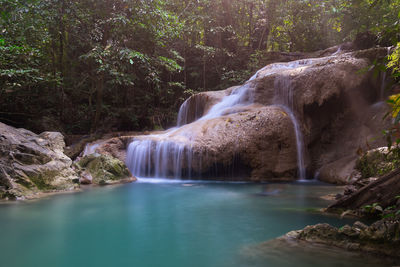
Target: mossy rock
378,162
104,169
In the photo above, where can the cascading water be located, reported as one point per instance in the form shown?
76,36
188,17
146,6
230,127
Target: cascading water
383,82
239,96
162,156
284,99
186,115
153,158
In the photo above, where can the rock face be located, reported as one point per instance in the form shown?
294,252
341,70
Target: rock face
103,170
381,238
250,130
31,163
254,142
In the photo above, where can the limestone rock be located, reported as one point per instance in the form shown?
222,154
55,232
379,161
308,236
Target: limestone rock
341,171
381,238
377,162
103,170
31,163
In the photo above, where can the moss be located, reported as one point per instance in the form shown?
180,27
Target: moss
41,181
25,183
378,162
104,168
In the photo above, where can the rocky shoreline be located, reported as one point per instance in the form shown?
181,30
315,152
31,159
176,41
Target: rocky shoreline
380,239
33,166
379,200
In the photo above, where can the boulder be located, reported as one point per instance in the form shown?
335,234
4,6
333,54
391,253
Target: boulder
31,163
103,170
256,142
341,171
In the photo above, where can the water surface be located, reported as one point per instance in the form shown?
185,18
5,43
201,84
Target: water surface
162,224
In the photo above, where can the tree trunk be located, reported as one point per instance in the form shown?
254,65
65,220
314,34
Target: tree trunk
185,58
382,191
204,70
99,103
61,54
251,24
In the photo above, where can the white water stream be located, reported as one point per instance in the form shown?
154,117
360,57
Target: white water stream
284,98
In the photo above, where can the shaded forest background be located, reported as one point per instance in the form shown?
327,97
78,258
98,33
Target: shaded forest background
80,66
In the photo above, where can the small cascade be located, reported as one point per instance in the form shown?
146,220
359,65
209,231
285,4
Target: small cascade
183,113
161,157
278,67
189,111
383,85
284,99
383,82
239,96
90,149
147,158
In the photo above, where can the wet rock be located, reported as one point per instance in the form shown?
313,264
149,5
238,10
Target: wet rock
349,190
103,170
377,162
31,163
381,238
339,172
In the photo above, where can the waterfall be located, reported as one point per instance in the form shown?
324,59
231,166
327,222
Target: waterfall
147,158
169,155
186,115
383,82
239,96
160,157
284,99
90,149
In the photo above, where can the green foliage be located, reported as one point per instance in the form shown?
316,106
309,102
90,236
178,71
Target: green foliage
128,64
393,133
373,208
379,162
394,64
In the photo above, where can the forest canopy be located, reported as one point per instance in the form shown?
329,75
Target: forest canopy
81,66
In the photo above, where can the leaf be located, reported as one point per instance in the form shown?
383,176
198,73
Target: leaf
378,208
131,61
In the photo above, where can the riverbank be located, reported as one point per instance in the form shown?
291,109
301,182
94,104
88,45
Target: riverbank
34,165
379,201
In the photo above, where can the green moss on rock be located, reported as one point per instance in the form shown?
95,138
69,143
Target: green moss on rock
378,162
104,169
42,181
381,238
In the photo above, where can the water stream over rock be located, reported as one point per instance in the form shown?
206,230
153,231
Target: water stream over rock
159,156
284,97
256,127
